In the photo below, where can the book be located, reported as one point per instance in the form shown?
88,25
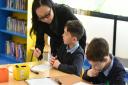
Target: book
81,83
17,4
8,47
16,25
16,50
40,81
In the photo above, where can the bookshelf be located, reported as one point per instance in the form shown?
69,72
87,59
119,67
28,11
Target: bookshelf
14,10
13,31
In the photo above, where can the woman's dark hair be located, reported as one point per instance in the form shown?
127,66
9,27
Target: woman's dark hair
36,4
97,49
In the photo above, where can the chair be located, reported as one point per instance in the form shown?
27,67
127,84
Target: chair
126,76
85,67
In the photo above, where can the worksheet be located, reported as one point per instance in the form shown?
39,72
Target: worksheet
81,83
42,81
42,67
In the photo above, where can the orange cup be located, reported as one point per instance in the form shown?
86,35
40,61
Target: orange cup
4,75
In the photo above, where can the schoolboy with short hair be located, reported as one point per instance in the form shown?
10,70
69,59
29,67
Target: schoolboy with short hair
70,56
105,68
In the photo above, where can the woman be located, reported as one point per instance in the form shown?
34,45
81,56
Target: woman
50,18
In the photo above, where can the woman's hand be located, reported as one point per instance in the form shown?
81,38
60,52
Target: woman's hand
37,52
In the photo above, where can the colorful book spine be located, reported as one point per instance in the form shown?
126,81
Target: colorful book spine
8,47
17,4
16,25
17,50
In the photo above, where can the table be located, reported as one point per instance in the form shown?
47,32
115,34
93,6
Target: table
66,79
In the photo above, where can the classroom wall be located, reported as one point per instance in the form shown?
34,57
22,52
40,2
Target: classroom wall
101,27
98,27
122,39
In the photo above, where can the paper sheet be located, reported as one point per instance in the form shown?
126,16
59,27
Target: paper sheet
81,83
42,67
41,81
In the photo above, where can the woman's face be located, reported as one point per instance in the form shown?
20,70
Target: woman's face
45,14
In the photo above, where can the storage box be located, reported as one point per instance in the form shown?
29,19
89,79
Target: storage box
21,71
4,75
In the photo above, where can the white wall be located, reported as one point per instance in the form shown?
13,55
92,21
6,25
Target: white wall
122,39
98,27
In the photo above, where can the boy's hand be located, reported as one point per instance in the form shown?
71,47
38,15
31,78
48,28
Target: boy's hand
37,52
92,72
56,64
52,60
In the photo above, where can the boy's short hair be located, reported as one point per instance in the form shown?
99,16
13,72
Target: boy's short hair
97,49
75,28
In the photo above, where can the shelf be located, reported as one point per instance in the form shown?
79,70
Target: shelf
10,58
7,59
14,10
17,33
13,33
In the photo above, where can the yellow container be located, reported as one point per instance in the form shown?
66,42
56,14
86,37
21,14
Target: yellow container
21,71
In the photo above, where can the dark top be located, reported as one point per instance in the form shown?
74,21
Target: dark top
62,14
70,62
115,76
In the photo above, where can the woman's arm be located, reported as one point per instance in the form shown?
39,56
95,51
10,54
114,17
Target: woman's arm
82,41
40,43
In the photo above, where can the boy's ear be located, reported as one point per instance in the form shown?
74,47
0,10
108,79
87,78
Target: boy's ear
74,39
105,58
